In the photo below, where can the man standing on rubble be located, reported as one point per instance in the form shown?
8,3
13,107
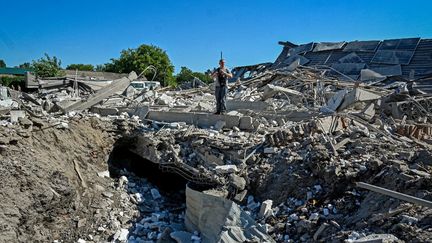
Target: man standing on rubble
221,76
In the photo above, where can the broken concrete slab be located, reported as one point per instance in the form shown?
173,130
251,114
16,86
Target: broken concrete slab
270,90
377,238
246,105
141,112
197,119
116,86
220,220
225,169
16,114
164,100
357,95
334,102
369,112
104,111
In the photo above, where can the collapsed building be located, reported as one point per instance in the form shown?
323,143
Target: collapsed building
331,142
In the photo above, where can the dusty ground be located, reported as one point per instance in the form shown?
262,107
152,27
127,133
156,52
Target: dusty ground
49,180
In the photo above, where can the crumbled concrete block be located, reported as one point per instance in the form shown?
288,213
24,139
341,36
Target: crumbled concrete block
357,95
246,123
225,169
270,150
16,114
239,197
104,174
165,100
121,235
155,193
377,238
334,102
105,111
266,209
123,181
238,182
369,112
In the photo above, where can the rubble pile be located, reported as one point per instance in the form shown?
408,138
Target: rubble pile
301,156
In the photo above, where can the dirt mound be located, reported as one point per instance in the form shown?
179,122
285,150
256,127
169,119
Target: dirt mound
48,176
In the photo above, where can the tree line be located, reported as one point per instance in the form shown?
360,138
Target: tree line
132,59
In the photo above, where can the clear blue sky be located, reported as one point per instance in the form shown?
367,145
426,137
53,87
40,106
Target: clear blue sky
194,32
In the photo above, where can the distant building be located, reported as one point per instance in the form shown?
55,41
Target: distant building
10,72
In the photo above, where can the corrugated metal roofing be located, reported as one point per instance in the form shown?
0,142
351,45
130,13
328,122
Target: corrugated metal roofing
419,64
14,71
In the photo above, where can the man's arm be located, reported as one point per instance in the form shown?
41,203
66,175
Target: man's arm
214,73
227,73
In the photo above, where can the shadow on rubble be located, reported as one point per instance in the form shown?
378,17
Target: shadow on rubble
169,204
122,158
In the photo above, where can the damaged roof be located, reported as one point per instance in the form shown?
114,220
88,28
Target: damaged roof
410,58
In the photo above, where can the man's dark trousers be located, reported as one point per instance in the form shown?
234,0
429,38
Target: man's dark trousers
220,94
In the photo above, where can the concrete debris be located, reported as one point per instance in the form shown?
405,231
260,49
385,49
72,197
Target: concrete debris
280,166
377,238
16,114
224,169
220,220
266,209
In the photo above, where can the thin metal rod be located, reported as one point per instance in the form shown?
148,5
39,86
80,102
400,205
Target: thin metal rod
395,194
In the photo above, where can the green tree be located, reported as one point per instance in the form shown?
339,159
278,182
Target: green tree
100,68
139,59
2,63
47,67
80,67
186,75
24,65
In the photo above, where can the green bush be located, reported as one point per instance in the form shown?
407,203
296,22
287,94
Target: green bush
47,67
12,81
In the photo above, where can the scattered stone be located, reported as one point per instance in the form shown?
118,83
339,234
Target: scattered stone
266,209
104,174
225,169
237,181
121,235
155,193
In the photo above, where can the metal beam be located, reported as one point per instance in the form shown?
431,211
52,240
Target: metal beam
395,194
